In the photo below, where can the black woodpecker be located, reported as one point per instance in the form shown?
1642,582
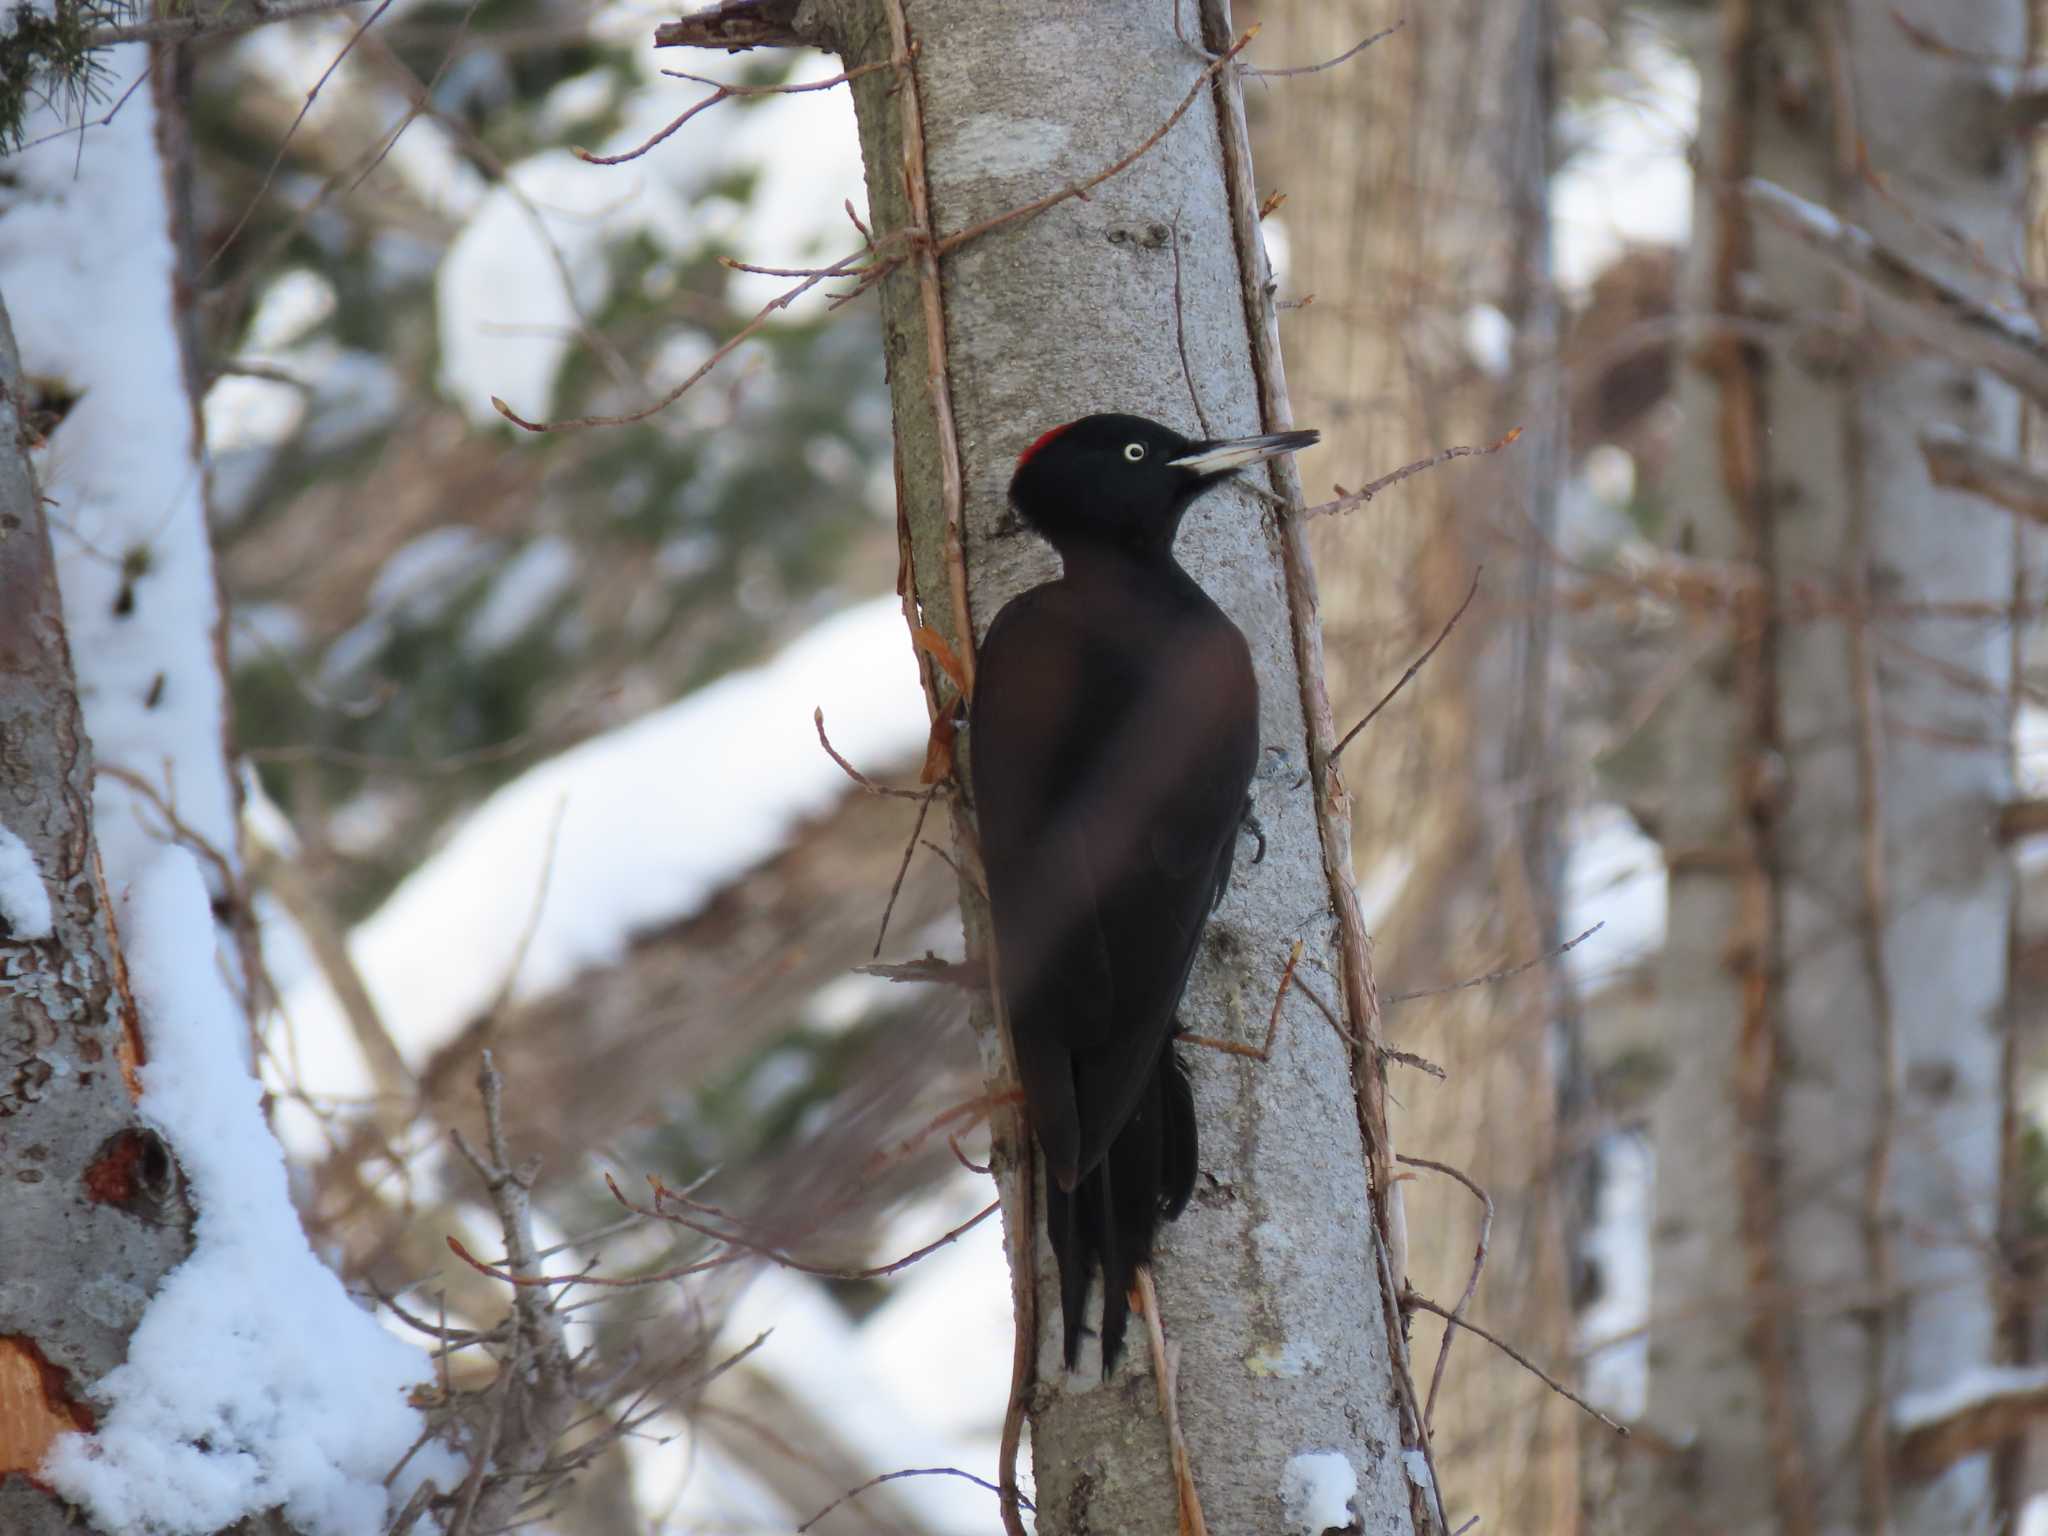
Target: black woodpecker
1114,730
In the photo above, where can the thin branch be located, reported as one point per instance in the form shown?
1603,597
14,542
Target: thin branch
1419,1063
284,144
890,1477
1508,973
2015,1402
1419,663
1457,1315
938,380
1166,1381
924,807
1346,500
1310,69
724,91
1414,1298
853,773
1915,300
223,23
1264,1052
1956,463
761,318
790,1261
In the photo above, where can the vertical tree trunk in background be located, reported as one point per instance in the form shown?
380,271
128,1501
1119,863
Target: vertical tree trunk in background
1149,296
1828,1142
1415,177
83,1253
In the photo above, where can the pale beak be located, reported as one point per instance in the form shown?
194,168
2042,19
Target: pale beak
1226,454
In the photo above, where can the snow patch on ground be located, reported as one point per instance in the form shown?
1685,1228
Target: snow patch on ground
1316,1490
624,833
253,1380
24,900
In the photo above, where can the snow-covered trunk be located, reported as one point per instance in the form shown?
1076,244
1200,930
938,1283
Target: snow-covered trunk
1150,295
79,1172
1828,1139
241,1379
1415,178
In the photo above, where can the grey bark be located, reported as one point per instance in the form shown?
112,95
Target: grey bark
87,1193
1828,1148
1135,299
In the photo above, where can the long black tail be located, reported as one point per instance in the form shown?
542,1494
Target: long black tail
1111,1217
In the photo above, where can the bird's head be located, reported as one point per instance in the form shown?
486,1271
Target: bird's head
1115,481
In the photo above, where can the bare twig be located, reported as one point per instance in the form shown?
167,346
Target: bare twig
853,773
725,91
725,349
1457,1314
1165,1379
1507,973
1413,1298
1309,69
1345,500
938,381
532,926
1419,1063
541,1373
788,1260
284,144
1263,1052
924,807
1416,666
890,1477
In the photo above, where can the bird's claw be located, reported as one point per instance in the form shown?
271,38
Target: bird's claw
1250,823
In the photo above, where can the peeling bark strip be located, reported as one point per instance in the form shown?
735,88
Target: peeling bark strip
1832,990
64,1053
1032,306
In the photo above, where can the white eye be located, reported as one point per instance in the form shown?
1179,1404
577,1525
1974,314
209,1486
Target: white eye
1134,451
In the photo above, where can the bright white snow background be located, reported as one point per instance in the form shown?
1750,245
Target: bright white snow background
252,1347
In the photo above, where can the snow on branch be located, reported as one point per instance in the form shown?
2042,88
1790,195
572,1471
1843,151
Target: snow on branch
1958,464
1920,303
253,1380
86,248
1975,1411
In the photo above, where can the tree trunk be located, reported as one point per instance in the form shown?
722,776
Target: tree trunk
1415,177
84,1250
1828,1145
1150,295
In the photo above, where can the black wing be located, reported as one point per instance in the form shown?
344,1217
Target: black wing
1109,781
